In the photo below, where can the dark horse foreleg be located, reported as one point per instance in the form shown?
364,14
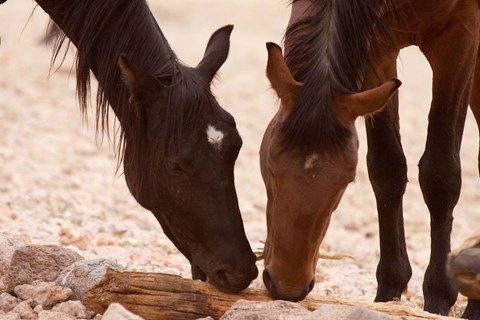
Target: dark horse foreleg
439,167
472,311
388,176
387,170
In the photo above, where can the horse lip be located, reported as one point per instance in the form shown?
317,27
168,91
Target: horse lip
225,278
237,286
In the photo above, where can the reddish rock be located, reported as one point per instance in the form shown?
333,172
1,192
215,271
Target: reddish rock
24,310
38,262
46,294
8,302
7,249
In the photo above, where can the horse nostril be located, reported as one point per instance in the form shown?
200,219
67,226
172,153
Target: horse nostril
221,276
267,280
231,280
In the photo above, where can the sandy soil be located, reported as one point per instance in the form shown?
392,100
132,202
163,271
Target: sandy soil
57,185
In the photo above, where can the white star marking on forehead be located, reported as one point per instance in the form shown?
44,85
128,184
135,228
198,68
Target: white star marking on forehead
215,137
310,161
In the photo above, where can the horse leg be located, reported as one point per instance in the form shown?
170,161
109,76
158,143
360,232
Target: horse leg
387,170
472,311
452,54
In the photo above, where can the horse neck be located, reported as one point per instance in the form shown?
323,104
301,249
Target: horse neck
300,10
96,57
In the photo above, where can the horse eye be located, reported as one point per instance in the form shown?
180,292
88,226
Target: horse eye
175,167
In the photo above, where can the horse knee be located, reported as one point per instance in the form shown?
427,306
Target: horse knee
388,176
440,180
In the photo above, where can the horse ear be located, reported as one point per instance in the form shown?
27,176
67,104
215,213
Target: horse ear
129,74
137,80
216,53
280,76
351,106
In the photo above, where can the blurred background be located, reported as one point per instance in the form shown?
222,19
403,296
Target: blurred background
58,183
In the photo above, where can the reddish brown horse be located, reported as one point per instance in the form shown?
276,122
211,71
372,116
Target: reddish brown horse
340,63
178,144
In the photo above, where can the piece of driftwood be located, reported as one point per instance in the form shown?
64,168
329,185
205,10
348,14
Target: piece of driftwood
464,266
161,296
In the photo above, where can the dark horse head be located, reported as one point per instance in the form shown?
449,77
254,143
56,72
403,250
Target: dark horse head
309,151
178,144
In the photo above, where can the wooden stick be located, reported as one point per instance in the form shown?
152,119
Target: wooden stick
162,296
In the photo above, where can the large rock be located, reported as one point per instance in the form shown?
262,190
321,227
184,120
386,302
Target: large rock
7,249
362,313
38,262
274,310
340,312
85,274
271,310
333,312
116,311
46,294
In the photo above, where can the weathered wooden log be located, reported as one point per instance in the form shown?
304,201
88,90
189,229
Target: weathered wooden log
161,296
464,266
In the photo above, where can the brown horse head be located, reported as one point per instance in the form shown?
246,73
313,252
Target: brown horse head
184,174
304,188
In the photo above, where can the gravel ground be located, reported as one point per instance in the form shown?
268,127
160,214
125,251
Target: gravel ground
58,183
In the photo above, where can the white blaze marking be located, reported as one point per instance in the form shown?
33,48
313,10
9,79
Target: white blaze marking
310,161
215,137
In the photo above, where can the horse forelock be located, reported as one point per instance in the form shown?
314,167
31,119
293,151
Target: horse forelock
190,103
329,50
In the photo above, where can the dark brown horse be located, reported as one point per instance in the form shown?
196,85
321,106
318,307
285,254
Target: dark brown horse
177,144
340,63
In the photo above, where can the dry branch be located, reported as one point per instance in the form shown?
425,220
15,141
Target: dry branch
161,296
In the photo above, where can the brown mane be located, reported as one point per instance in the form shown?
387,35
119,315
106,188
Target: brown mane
329,52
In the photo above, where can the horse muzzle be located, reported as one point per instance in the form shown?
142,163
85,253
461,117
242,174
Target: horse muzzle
289,293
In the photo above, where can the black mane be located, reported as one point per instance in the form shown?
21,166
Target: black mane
329,51
104,29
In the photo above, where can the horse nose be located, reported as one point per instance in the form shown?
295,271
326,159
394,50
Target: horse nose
277,293
233,280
